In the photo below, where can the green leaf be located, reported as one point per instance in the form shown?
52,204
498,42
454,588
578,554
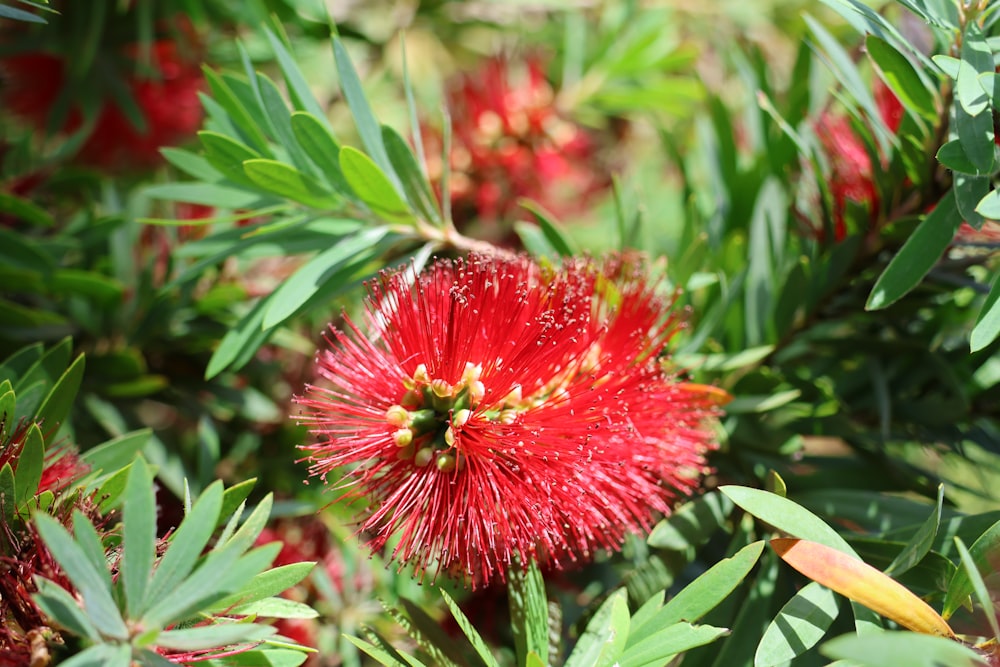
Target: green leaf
988,323
918,255
372,185
470,631
529,611
969,192
425,631
415,185
246,335
228,155
226,91
800,624
970,567
8,489
988,206
921,542
786,516
74,282
7,12
22,209
60,398
138,536
901,648
30,464
899,74
186,546
322,148
118,452
266,585
953,156
287,181
212,636
281,122
368,126
383,656
603,642
985,552
707,591
658,649
270,657
92,584
317,272
555,236
207,194
101,655
693,523
192,164
274,607
57,603
298,88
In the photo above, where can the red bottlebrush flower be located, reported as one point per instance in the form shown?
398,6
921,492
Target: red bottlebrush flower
168,100
850,168
499,411
509,141
851,175
24,631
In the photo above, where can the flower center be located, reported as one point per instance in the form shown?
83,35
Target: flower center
429,419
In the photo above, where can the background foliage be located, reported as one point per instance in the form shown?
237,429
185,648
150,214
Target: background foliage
819,180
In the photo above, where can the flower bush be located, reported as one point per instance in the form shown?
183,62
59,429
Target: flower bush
672,341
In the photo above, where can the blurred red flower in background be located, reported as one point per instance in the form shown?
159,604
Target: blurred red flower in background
496,411
851,175
166,97
510,141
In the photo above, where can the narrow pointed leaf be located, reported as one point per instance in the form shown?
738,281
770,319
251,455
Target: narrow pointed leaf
799,626
918,255
860,582
787,516
978,586
287,181
988,323
415,185
30,464
529,612
56,405
985,552
60,605
372,185
901,648
603,642
921,542
658,649
90,583
470,631
186,545
138,536
704,593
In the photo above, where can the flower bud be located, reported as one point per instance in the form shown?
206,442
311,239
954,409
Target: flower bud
423,457
398,416
445,462
403,437
460,418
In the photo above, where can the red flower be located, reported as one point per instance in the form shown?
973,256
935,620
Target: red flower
851,176
509,141
168,100
498,411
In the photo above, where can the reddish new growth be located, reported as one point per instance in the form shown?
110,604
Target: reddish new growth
510,141
495,411
35,85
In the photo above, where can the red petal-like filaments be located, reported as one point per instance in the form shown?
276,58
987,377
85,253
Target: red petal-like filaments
494,410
